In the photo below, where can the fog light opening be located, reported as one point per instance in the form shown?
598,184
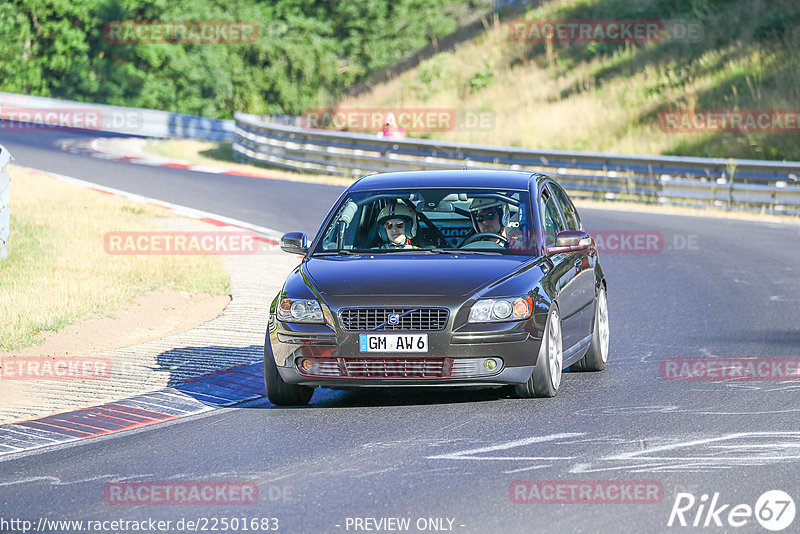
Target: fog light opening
305,365
490,364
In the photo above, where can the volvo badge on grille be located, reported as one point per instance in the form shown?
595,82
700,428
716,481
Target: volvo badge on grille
394,319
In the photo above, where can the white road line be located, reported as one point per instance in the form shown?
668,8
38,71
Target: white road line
467,454
671,447
531,468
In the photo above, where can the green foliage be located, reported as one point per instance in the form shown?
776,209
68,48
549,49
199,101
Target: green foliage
307,51
429,76
742,54
482,78
18,71
776,26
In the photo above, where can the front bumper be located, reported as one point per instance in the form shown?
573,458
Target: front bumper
514,346
509,375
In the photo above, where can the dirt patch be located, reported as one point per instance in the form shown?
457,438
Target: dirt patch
152,316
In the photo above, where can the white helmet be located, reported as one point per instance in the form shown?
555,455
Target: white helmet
397,211
485,203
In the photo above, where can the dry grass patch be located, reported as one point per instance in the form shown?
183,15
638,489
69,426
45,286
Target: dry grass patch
58,271
573,97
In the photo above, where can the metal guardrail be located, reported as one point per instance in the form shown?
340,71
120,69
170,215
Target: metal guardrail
279,142
748,184
5,197
18,110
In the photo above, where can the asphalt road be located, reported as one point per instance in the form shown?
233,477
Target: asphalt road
276,204
719,288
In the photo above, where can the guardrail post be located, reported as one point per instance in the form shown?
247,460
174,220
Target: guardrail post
5,194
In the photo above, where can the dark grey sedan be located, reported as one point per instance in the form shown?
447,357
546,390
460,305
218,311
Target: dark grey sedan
441,279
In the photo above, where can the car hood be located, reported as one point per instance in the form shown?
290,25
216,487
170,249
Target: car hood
408,275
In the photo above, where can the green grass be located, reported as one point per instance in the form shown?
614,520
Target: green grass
607,96
58,271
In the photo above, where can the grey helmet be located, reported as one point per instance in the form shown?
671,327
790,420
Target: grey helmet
397,211
483,203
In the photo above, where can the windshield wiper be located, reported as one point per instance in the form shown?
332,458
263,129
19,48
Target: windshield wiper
346,252
463,251
342,252
395,250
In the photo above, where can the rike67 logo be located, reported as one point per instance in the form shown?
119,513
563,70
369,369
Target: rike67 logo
774,510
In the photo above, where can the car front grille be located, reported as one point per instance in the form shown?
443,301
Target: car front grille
395,368
408,319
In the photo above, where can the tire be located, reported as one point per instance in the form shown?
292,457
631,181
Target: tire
546,377
597,354
279,392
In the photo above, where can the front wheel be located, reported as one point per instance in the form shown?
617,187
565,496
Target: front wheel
279,392
546,377
597,354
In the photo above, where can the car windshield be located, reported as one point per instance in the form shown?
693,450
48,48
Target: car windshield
479,221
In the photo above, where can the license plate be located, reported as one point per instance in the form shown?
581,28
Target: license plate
393,342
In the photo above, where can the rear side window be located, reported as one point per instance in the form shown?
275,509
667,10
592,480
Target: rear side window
552,219
567,208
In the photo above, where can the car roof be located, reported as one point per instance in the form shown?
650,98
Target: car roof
495,179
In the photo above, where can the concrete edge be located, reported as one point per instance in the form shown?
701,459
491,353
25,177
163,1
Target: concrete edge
197,395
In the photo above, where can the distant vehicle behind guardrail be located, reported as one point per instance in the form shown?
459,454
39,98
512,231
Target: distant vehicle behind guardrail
742,184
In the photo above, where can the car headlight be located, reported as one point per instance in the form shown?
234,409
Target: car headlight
506,309
300,311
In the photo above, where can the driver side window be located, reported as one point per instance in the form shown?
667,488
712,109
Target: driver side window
570,214
552,218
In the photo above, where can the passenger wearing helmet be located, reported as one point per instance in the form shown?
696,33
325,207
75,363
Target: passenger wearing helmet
397,225
491,215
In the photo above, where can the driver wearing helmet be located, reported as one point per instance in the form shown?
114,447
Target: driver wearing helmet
397,225
491,216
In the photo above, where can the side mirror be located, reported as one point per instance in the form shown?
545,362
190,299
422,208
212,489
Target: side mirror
571,241
294,243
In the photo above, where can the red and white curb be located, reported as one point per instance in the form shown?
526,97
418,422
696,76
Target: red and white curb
268,235
198,395
92,149
221,388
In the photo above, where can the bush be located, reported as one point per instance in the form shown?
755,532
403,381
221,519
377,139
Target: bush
307,51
